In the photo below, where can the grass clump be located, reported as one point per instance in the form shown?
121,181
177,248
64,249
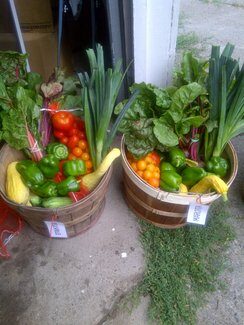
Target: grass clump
183,265
186,42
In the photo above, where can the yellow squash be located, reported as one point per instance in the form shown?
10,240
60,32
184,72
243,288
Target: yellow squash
211,182
15,188
90,181
183,189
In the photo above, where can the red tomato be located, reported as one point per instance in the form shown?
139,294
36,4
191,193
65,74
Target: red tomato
73,131
54,106
77,151
72,157
64,140
58,134
73,141
155,157
82,135
63,121
80,123
59,177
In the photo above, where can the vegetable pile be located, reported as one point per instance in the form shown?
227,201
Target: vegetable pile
187,124
67,154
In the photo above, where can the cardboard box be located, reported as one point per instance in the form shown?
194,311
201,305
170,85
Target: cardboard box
35,15
42,50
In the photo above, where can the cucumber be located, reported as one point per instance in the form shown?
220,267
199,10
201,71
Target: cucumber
35,200
56,202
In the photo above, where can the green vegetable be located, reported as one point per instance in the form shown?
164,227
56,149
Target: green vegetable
19,107
218,166
70,184
226,95
191,175
170,181
177,157
59,150
49,165
164,166
35,200
47,189
56,202
159,117
12,66
74,167
100,92
30,173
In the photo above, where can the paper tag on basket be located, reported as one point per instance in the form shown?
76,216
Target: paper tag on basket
197,213
56,229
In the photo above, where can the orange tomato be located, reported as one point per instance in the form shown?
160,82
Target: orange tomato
151,167
147,175
157,169
149,160
71,156
82,144
156,175
77,151
140,173
141,165
88,164
85,156
134,166
154,182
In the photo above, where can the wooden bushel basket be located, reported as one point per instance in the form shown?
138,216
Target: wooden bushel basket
76,217
164,209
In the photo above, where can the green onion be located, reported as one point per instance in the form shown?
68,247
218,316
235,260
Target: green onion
99,95
226,95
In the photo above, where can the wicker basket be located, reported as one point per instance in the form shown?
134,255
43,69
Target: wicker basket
77,217
164,209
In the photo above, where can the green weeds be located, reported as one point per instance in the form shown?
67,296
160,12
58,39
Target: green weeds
182,266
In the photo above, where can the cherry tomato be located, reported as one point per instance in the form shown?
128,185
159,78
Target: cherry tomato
73,141
59,177
77,151
63,121
58,134
53,106
88,164
155,157
73,131
85,156
82,144
64,140
72,157
80,123
82,135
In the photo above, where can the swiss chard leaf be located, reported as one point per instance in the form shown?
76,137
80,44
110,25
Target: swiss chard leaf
184,96
165,134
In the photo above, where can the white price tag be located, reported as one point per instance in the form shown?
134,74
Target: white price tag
197,213
56,229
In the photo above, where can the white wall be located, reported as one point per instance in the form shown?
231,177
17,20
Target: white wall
155,31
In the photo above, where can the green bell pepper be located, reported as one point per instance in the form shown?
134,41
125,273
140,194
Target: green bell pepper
218,166
74,168
170,181
70,184
191,175
166,166
30,173
49,165
47,189
177,157
59,150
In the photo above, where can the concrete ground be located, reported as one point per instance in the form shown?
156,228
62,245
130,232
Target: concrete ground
83,280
